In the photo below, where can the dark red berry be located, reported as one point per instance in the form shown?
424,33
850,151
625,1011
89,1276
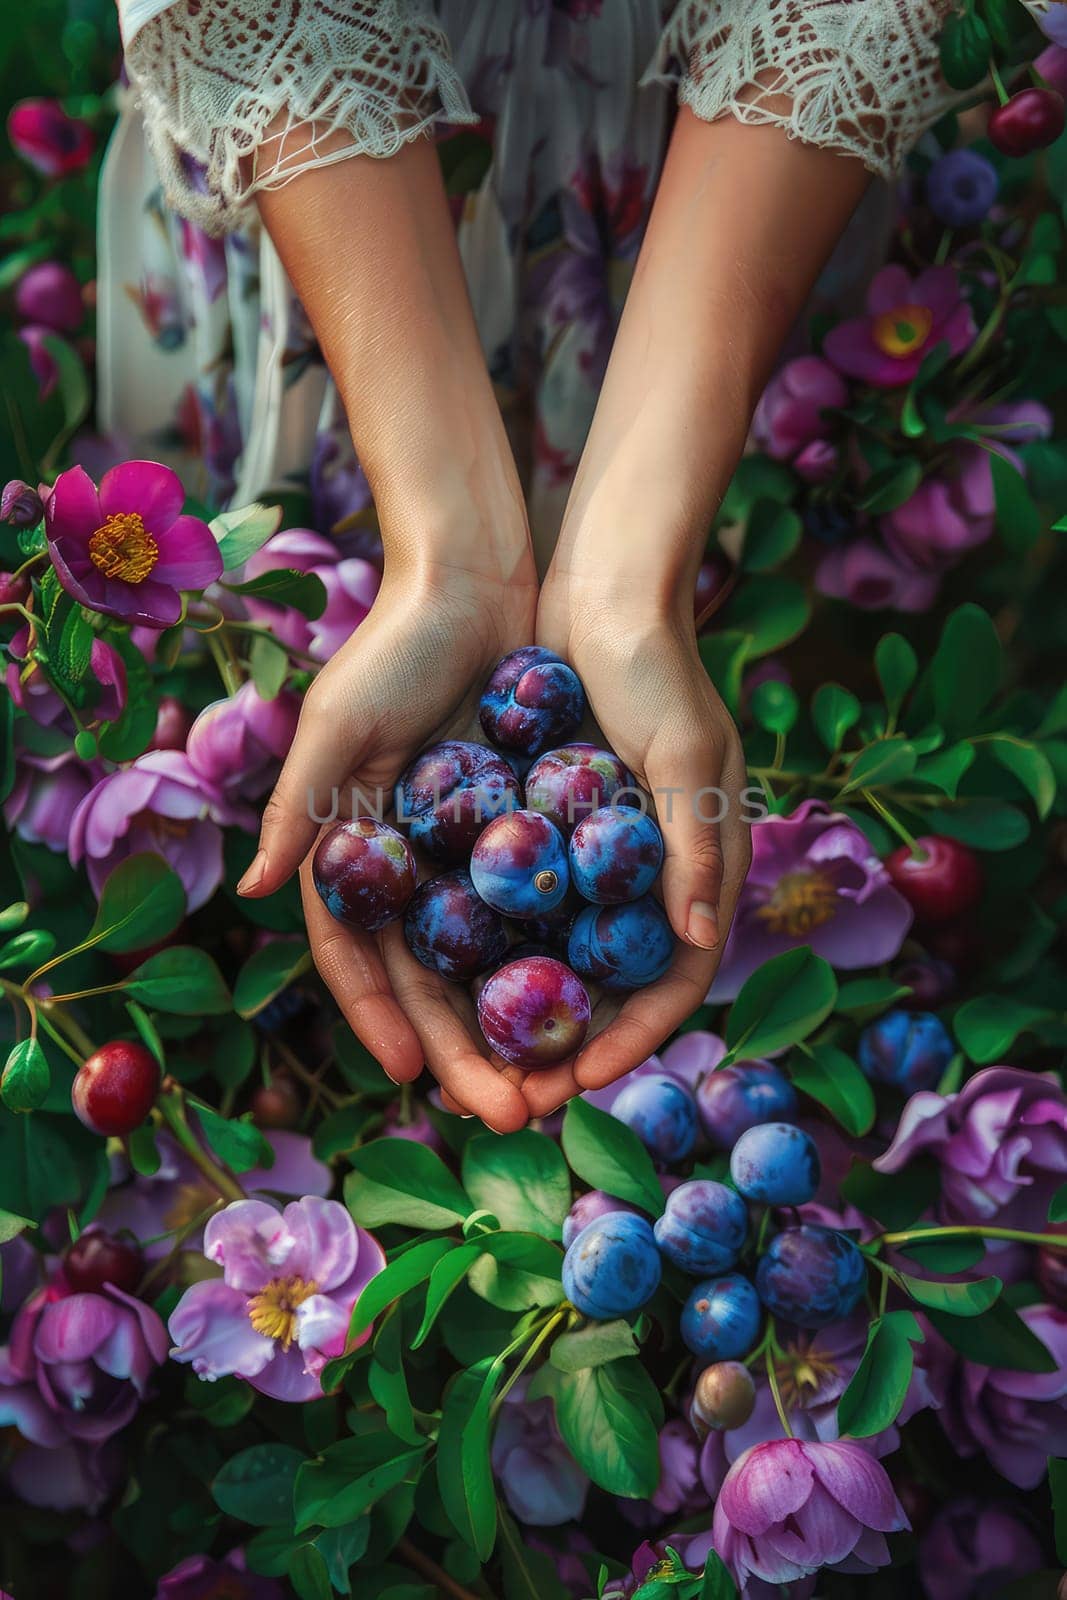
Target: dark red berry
1031,120
277,1104
941,881
98,1258
115,1089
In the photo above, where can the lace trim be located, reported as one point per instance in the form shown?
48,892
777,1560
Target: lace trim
225,83
858,76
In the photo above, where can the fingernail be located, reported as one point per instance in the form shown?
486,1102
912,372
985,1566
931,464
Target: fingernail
254,876
702,929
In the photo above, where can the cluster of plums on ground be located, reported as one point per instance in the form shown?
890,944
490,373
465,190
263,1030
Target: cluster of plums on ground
737,1237
542,855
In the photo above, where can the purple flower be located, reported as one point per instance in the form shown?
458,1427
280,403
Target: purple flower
69,1477
788,1508
45,795
1001,1143
20,504
51,295
42,361
20,1269
814,880
791,411
158,803
960,188
42,134
238,744
351,586
817,462
906,318
1051,64
1015,1420
972,1550
542,1483
871,579
78,1365
31,689
282,1307
126,549
680,1491
203,1578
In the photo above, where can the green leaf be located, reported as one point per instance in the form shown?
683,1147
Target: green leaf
72,389
945,769
775,707
394,1280
446,1277
521,1178
1030,765
965,49
780,1004
129,735
340,1132
148,1031
237,1143
11,1226
309,1574
267,972
1057,1208
724,655
48,1162
593,1346
997,1338
897,1199
945,1255
988,1025
607,1155
891,485
717,1584
966,669
882,763
243,531
269,662
772,534
387,1380
1018,519
832,1078
27,1078
74,646
342,1483
984,824
1057,1482
607,1425
864,998
464,1473
771,610
955,1299
876,1393
182,980
834,711
141,902
29,948
143,1151
256,1485
284,586
528,1574
399,1181
517,1271
465,159
14,915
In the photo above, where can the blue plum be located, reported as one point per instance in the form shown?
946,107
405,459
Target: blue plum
776,1163
734,1099
613,1267
721,1318
811,1276
622,947
662,1112
364,872
568,784
908,1049
615,855
534,1012
703,1227
449,927
519,865
449,793
587,1208
532,701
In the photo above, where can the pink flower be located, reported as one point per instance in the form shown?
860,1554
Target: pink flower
971,1550
906,318
791,411
238,744
872,579
282,1307
127,550
51,295
158,803
351,586
42,134
790,1507
45,795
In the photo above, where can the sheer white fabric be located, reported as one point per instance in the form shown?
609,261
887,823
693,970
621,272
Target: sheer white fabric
858,76
226,82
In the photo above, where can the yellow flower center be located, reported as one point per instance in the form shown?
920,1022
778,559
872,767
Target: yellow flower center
802,1375
901,331
272,1311
800,902
123,548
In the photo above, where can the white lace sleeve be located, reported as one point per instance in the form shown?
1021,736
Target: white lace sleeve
858,76
220,80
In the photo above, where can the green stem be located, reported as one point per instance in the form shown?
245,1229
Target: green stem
776,1393
84,994
535,1344
892,822
180,1237
172,1109
978,1230
998,82
57,1038
73,1030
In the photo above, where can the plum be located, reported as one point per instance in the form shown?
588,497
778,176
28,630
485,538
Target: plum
811,1276
534,1012
364,872
587,1208
777,1164
615,855
908,1049
621,947
451,930
532,701
721,1318
733,1099
568,784
662,1112
724,1398
613,1267
703,1228
519,865
448,795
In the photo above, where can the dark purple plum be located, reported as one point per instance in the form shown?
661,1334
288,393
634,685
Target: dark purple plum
721,1318
811,1276
519,865
908,1049
613,1267
724,1398
621,947
734,1099
364,872
568,784
448,795
534,1012
532,701
451,929
703,1227
587,1208
662,1112
615,855
776,1164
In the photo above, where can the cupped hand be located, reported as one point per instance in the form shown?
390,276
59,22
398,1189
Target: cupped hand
652,698
411,674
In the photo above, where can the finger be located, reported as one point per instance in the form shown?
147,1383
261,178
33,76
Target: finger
685,772
546,1091
352,969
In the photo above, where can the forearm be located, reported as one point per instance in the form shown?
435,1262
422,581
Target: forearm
743,221
370,248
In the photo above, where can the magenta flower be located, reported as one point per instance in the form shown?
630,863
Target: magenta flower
78,1365
789,1507
50,294
542,1482
45,795
1001,1144
158,803
239,744
42,134
872,579
203,1578
791,411
906,318
282,1307
351,586
814,880
127,550
972,1550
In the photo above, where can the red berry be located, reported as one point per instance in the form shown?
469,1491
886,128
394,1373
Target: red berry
277,1104
941,882
115,1089
98,1258
1029,121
